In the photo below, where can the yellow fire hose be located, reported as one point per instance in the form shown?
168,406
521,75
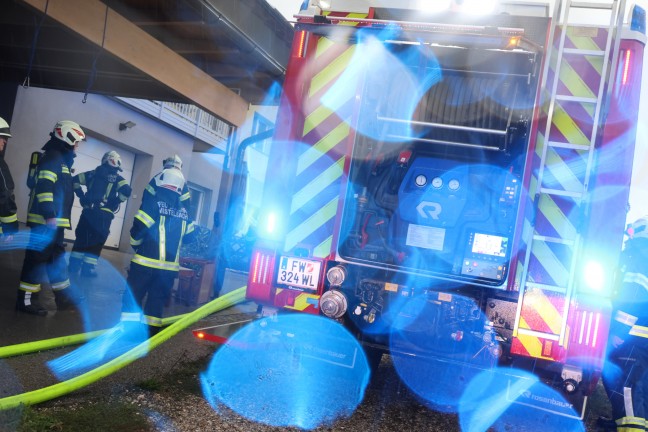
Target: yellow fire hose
65,387
63,341
46,344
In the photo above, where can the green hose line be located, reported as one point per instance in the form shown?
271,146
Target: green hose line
63,341
65,387
170,320
46,344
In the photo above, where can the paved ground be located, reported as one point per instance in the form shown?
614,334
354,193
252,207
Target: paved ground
103,296
101,311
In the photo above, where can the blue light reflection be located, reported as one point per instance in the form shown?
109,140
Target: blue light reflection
504,398
457,348
290,370
116,341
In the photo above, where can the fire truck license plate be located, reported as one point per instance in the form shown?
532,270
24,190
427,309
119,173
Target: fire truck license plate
299,272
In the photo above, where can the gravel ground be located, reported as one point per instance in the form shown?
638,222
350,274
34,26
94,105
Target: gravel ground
387,407
177,404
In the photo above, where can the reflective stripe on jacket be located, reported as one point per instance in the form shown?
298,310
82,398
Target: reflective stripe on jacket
8,218
158,231
53,195
104,189
630,315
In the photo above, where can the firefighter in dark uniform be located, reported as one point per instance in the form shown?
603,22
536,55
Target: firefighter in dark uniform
105,191
8,218
168,163
160,227
625,375
48,215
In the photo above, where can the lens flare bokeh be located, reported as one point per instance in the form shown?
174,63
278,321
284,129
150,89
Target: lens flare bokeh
117,340
451,344
501,397
27,240
104,348
290,370
393,65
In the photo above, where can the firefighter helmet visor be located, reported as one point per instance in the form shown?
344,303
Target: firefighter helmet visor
69,132
112,159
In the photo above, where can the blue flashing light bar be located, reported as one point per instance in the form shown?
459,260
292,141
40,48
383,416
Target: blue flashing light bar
638,22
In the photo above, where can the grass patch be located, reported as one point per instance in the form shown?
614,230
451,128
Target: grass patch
598,405
90,417
34,421
150,384
599,402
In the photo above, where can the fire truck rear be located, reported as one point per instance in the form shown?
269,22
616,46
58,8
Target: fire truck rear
458,179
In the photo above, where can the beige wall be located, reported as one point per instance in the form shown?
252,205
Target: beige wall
37,110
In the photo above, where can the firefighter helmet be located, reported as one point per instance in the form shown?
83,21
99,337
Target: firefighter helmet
639,228
69,132
173,162
171,179
4,128
112,159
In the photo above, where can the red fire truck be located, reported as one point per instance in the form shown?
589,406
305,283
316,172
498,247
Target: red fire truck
477,164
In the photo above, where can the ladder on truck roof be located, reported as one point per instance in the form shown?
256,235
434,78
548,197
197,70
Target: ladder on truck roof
565,148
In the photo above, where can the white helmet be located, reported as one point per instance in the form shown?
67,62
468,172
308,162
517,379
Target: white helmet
69,132
4,128
171,179
172,162
112,159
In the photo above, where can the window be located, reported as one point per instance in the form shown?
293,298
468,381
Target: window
199,200
261,124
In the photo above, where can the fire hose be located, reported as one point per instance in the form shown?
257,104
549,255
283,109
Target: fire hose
63,341
65,387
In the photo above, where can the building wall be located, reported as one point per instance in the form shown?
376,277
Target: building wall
207,172
36,111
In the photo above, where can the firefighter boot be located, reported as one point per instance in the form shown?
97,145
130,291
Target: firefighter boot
74,266
606,424
63,299
28,302
88,270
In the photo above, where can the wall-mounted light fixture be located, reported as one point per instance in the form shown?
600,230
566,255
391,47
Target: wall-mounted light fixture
126,125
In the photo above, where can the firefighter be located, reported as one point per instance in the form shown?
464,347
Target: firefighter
48,215
8,218
105,191
160,227
171,162
625,375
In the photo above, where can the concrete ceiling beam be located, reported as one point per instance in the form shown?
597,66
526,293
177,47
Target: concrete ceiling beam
129,43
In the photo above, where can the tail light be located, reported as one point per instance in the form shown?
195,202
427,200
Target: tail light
589,327
300,37
626,67
261,275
